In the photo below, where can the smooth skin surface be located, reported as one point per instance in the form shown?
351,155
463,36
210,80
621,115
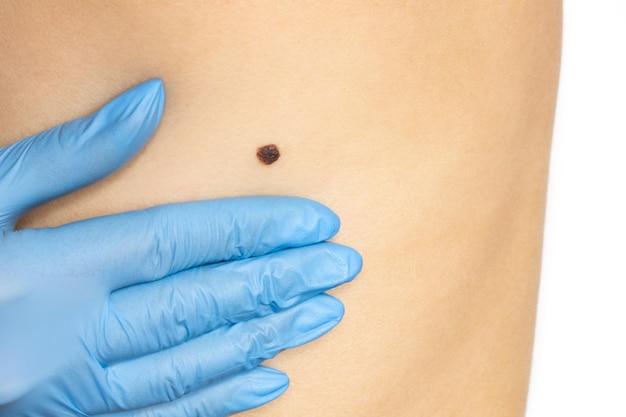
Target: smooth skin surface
152,312
425,125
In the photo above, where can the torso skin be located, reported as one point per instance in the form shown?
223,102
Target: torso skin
425,125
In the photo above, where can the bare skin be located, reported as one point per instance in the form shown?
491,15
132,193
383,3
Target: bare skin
425,125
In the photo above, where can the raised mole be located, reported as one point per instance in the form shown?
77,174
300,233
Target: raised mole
268,154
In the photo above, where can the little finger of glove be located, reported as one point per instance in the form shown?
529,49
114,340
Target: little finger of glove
233,394
230,349
223,397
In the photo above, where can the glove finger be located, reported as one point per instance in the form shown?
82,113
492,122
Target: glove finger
234,394
151,317
140,246
172,373
77,153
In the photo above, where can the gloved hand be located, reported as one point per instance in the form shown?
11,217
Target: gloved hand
158,312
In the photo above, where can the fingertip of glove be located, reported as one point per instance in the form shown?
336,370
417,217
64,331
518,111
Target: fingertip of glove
353,261
306,220
129,120
328,222
141,108
264,385
155,92
355,264
334,308
116,133
271,381
320,315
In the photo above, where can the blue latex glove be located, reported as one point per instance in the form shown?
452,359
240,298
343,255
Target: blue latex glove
157,312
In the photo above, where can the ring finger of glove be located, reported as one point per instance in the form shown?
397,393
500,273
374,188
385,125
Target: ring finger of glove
170,374
151,317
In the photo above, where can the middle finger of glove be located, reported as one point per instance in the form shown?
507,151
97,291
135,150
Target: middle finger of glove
151,317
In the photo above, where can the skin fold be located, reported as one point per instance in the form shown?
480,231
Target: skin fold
425,126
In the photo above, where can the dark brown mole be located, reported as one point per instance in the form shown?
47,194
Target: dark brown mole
268,154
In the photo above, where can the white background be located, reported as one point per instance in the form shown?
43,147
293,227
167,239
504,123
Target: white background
579,366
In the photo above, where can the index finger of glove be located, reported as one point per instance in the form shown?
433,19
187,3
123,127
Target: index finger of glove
141,246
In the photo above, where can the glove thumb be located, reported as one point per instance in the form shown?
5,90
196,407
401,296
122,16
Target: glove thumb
75,154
